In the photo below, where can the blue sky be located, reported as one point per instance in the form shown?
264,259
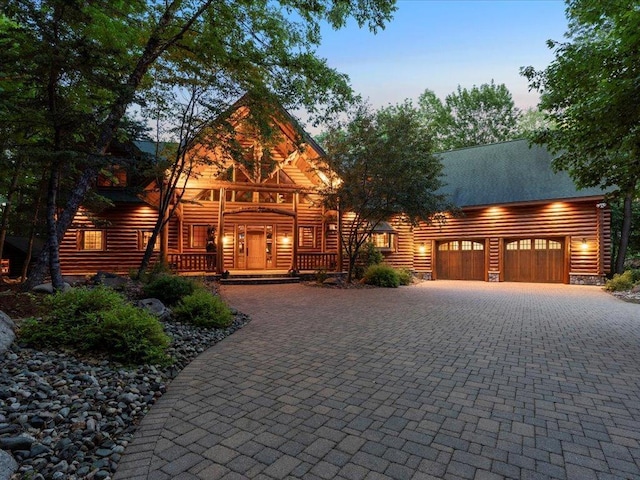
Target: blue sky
440,44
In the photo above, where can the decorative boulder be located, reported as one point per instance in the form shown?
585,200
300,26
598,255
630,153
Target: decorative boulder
8,465
6,331
48,288
110,280
155,307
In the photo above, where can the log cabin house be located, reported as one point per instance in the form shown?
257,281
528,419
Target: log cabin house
518,221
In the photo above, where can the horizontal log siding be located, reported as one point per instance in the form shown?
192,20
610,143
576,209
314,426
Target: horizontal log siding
574,220
403,255
204,213
121,253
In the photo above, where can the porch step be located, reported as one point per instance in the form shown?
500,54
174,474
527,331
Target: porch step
262,280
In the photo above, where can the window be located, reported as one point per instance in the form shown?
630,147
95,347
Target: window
199,236
554,245
143,240
91,239
383,241
307,237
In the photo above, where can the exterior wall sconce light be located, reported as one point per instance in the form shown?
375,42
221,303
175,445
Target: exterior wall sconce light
584,245
422,248
226,239
285,239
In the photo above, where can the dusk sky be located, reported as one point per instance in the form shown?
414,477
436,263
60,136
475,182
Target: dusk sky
440,44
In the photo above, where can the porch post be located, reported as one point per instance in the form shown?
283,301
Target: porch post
220,240
294,236
339,247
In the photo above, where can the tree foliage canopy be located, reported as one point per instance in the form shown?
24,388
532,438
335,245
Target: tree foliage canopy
467,118
70,70
591,93
385,170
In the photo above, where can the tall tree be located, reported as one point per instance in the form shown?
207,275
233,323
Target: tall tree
466,118
87,62
592,95
384,169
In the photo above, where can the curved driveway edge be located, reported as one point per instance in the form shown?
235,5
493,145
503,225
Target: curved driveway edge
441,380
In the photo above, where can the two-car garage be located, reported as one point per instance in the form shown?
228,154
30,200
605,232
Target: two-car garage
523,260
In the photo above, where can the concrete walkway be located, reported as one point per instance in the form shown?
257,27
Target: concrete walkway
443,380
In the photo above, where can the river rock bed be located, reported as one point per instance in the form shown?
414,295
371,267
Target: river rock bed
62,417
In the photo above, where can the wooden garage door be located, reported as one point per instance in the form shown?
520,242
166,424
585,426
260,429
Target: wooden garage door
460,260
534,260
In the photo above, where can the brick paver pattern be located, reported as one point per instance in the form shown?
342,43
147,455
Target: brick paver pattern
441,380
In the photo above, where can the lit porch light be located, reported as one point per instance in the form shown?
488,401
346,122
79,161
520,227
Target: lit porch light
584,244
422,248
285,239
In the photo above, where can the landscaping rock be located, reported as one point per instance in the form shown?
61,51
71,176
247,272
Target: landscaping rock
155,307
110,280
8,465
68,418
48,288
7,334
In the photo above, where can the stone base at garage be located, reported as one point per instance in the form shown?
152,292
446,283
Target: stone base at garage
586,279
494,276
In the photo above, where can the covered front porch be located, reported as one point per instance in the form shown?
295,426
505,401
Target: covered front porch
207,263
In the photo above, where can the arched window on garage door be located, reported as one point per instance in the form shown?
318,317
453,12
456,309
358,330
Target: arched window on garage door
460,260
534,260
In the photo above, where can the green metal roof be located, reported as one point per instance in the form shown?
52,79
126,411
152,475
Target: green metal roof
507,172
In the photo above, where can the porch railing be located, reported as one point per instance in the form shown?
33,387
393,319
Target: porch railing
192,262
316,261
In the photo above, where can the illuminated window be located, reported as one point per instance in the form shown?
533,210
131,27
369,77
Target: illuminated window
454,246
443,247
383,241
512,245
540,244
143,240
307,237
198,236
478,246
554,245
467,245
91,240
525,244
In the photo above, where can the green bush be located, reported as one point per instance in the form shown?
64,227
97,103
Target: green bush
321,275
98,320
635,275
382,276
623,281
368,255
203,309
405,276
169,289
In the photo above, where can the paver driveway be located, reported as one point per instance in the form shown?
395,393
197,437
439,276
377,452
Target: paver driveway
453,380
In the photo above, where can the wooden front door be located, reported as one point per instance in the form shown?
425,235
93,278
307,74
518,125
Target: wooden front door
256,250
534,260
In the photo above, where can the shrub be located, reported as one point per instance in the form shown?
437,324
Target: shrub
169,289
98,320
382,276
405,276
203,309
623,281
368,255
321,275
